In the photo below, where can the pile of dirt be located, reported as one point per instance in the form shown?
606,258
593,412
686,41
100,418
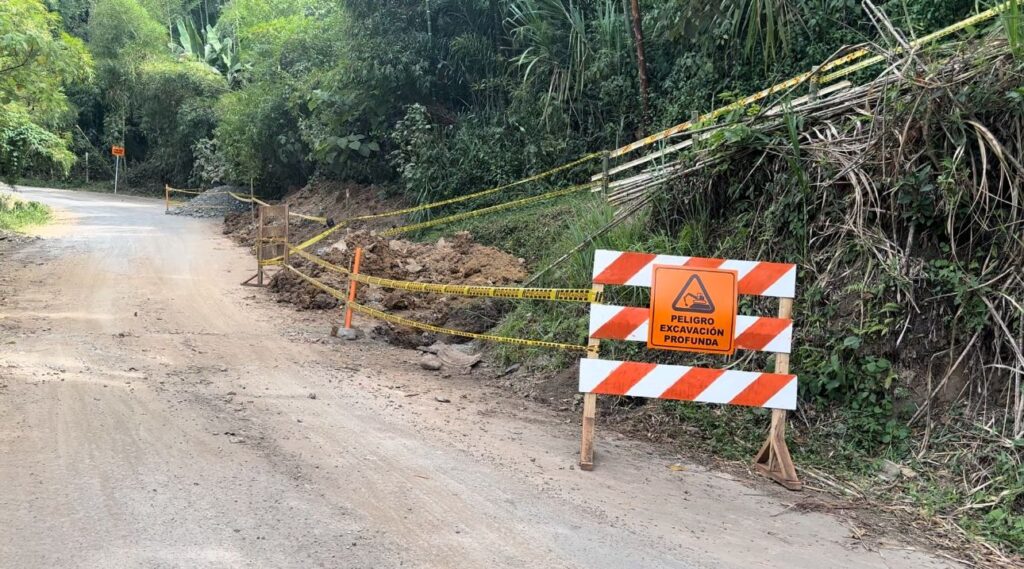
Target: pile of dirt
214,202
336,201
458,260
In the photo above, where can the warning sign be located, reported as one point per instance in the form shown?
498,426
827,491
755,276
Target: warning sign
693,310
117,150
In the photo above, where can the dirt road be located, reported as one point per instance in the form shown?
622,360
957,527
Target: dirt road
155,414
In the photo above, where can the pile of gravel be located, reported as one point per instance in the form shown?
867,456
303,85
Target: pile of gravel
215,202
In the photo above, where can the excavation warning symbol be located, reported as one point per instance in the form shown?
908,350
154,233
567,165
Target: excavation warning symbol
693,310
694,297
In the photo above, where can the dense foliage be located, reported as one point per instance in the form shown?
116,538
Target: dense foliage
38,61
438,98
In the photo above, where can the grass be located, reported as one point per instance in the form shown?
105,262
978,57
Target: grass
17,214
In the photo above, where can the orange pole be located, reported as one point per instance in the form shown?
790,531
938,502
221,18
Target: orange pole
352,287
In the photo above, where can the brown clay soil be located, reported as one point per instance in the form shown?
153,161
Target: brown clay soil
154,413
456,260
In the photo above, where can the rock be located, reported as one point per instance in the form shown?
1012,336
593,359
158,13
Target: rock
889,470
440,399
311,395
511,369
350,333
413,267
431,362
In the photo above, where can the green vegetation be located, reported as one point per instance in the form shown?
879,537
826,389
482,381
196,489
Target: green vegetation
16,214
903,267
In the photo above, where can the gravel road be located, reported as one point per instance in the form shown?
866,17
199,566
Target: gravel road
155,414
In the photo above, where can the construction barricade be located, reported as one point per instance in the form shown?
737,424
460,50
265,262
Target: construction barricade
694,309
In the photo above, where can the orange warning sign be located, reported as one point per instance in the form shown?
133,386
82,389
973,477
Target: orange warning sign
117,150
693,310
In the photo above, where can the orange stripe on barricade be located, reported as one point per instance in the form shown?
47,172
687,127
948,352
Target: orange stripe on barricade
692,384
755,278
629,323
623,378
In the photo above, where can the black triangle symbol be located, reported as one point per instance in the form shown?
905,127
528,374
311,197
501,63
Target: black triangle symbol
694,297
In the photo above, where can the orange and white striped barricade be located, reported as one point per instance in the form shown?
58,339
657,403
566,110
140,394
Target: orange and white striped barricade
777,391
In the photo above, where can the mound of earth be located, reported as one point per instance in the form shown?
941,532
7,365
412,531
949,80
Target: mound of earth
336,201
214,202
458,260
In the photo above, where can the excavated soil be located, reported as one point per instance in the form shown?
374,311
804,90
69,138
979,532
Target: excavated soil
334,200
456,260
448,261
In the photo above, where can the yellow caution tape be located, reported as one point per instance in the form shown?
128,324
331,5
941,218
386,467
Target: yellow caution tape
245,199
176,190
486,337
551,294
256,200
483,193
961,25
488,210
380,315
977,18
441,203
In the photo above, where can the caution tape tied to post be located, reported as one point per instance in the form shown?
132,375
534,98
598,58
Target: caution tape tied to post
549,294
380,315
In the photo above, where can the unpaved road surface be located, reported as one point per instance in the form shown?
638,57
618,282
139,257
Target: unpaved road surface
155,414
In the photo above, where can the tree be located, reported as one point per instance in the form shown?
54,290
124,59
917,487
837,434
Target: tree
38,60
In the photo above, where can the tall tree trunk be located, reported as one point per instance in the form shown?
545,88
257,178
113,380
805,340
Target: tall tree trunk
641,63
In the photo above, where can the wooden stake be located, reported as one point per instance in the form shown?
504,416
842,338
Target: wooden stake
287,223
605,163
774,460
259,249
167,198
590,407
352,286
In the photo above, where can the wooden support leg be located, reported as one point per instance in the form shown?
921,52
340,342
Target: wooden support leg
589,419
774,460
590,406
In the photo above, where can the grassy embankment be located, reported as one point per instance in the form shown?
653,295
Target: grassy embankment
17,214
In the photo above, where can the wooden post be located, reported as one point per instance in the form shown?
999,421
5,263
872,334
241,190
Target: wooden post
352,286
590,402
604,174
259,249
167,198
774,460
287,224
86,167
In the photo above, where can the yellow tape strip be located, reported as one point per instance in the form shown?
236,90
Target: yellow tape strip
483,193
491,209
486,337
551,294
177,191
291,213
380,315
977,18
937,35
424,207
